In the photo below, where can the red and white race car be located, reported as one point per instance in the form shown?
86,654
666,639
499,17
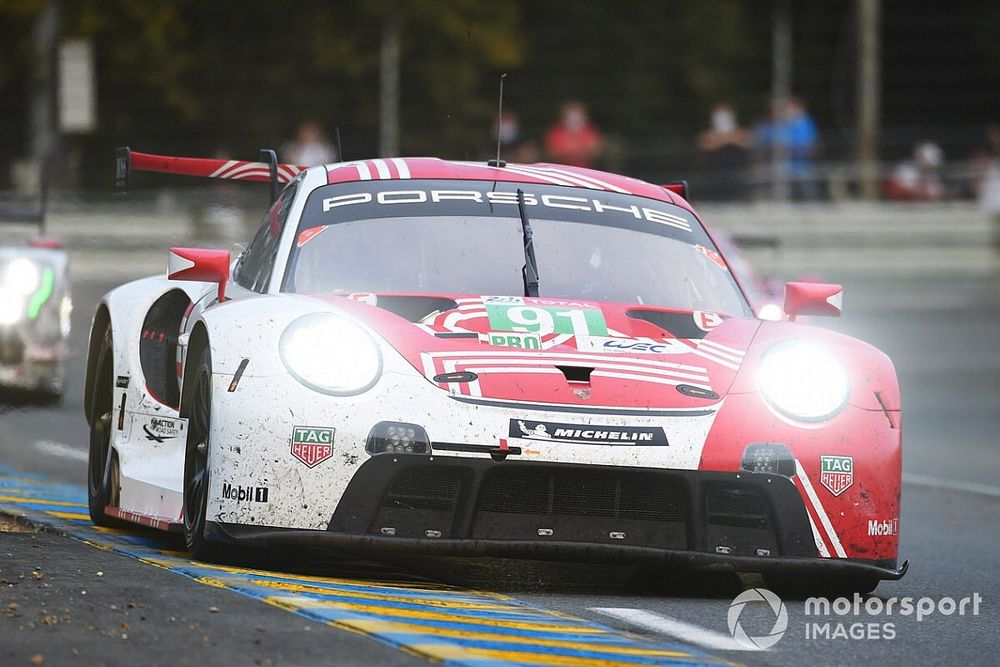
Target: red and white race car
488,359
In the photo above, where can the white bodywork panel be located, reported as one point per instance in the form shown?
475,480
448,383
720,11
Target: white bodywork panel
151,471
252,436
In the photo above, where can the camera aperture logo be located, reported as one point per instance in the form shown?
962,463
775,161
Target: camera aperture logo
855,618
761,642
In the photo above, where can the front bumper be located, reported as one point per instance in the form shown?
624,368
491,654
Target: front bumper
475,507
26,364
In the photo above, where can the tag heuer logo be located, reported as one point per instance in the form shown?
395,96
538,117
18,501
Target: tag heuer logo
836,473
312,445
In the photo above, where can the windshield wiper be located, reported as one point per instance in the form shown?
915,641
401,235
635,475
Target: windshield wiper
529,272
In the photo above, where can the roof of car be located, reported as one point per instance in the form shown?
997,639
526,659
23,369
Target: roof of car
539,173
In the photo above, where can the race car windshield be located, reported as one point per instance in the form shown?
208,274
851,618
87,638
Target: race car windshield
360,244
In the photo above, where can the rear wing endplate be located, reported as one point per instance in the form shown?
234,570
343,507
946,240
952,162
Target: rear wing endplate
677,187
267,170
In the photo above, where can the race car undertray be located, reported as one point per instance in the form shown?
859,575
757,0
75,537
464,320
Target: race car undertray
475,506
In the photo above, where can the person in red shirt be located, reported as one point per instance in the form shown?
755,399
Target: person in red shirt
574,140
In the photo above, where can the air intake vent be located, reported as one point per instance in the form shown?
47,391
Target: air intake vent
739,508
424,490
576,373
575,493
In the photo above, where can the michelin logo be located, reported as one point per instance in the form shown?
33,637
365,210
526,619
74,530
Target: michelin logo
587,435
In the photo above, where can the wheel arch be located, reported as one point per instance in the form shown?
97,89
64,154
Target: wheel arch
198,341
98,329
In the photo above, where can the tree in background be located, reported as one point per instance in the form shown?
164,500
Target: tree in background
230,77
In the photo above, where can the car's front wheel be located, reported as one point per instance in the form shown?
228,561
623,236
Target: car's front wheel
198,409
102,486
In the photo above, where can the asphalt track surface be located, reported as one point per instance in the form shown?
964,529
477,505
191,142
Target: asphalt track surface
73,595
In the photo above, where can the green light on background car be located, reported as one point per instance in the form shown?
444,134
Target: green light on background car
43,294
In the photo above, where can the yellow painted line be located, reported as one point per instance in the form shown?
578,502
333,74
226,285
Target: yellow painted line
215,583
39,501
295,603
426,587
174,554
115,531
19,481
98,545
372,626
67,515
413,599
454,652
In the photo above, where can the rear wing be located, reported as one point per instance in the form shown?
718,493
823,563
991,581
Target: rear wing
268,170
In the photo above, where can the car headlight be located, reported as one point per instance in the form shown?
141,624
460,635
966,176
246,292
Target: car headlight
772,312
331,354
803,380
11,306
22,276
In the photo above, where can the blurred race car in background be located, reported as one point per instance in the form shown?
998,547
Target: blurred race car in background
765,294
35,306
462,358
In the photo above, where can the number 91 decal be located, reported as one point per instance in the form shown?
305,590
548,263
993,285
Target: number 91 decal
543,320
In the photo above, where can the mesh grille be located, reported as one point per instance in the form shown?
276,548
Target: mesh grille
572,493
424,490
736,507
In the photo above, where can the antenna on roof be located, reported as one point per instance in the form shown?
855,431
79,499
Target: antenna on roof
340,149
498,162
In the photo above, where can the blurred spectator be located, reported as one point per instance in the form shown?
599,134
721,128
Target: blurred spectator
513,147
789,137
987,179
917,179
574,139
799,132
311,147
986,165
762,152
725,146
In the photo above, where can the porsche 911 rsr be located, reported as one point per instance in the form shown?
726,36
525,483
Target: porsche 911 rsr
508,360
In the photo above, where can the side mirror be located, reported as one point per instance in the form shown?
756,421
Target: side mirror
813,299
201,266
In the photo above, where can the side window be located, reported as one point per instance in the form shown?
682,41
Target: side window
254,269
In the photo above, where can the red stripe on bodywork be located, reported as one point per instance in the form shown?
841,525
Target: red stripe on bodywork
159,523
206,167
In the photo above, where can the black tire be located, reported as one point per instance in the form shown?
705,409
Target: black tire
197,407
102,489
